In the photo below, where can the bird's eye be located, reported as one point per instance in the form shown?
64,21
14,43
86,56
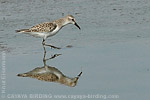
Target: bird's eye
72,19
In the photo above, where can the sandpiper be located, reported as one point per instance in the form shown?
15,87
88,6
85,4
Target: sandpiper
51,74
48,29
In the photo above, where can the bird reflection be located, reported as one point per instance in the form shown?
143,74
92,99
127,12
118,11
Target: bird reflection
51,74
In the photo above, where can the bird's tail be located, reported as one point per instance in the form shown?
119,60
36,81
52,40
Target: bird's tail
22,30
22,75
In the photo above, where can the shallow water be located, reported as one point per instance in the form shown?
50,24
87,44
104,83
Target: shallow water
112,47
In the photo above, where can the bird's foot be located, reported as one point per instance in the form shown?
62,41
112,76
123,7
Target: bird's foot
53,56
52,46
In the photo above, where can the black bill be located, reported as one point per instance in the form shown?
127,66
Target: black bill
77,25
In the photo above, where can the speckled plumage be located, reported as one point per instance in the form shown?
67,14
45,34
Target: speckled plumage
43,27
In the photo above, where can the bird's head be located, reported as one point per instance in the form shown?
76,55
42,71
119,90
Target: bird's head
74,81
71,20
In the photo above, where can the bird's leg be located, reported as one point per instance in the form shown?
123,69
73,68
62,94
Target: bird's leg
43,42
44,59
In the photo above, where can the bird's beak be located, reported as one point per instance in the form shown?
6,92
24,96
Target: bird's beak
77,25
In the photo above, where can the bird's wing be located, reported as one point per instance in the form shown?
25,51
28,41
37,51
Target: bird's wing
46,77
43,76
44,27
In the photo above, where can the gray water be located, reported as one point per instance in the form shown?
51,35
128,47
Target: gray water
112,48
